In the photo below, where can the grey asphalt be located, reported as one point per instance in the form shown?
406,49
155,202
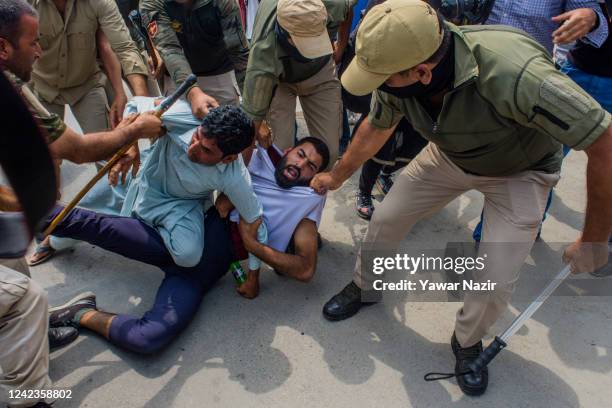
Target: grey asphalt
279,351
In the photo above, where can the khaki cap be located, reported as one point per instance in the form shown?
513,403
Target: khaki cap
394,36
306,23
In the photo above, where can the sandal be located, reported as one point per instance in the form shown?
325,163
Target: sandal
44,250
363,205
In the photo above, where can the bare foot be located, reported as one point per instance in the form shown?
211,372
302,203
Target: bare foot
250,288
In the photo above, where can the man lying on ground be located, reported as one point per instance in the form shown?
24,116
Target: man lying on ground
169,221
291,210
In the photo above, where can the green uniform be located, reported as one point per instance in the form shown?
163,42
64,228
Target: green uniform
509,110
53,125
269,64
206,39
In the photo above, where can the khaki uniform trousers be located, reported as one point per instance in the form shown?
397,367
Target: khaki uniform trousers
222,87
24,345
513,211
321,102
91,111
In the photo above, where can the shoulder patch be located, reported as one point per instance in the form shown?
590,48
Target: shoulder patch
558,93
152,28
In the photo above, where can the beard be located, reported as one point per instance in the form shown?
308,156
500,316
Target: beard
285,182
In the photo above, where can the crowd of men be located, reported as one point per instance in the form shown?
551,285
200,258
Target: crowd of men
447,104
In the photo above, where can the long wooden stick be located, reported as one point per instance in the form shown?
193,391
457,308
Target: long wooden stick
163,107
109,164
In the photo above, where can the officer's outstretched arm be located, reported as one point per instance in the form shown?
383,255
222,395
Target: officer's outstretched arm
367,141
599,189
590,251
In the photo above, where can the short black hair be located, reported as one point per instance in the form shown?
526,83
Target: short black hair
230,127
320,147
11,12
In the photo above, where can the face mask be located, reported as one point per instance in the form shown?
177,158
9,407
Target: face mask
443,75
283,39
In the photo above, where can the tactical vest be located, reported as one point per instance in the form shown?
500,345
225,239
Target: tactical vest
199,31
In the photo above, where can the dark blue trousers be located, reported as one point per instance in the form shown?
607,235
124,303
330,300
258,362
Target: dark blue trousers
182,289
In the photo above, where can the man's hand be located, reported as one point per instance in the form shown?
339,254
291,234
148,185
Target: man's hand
338,52
248,233
223,205
200,102
575,24
116,109
324,182
264,135
148,126
586,256
157,72
131,159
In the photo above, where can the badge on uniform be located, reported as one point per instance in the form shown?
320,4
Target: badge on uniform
152,28
176,26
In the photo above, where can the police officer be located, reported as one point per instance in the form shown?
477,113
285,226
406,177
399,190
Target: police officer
495,109
204,37
291,56
67,71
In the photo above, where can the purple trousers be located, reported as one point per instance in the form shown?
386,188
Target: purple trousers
180,293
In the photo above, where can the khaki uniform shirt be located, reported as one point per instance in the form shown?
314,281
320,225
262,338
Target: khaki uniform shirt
206,39
509,110
68,67
269,64
51,123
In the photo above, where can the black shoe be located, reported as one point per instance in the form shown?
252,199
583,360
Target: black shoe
471,384
64,315
61,336
363,205
384,182
41,405
345,304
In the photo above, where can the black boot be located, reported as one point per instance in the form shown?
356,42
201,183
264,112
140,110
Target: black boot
65,315
471,384
345,304
61,336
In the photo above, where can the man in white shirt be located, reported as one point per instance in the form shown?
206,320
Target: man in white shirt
291,210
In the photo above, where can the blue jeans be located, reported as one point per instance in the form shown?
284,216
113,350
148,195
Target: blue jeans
180,293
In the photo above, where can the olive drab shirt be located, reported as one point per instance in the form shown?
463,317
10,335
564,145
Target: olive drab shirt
68,67
509,110
269,64
51,123
205,39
